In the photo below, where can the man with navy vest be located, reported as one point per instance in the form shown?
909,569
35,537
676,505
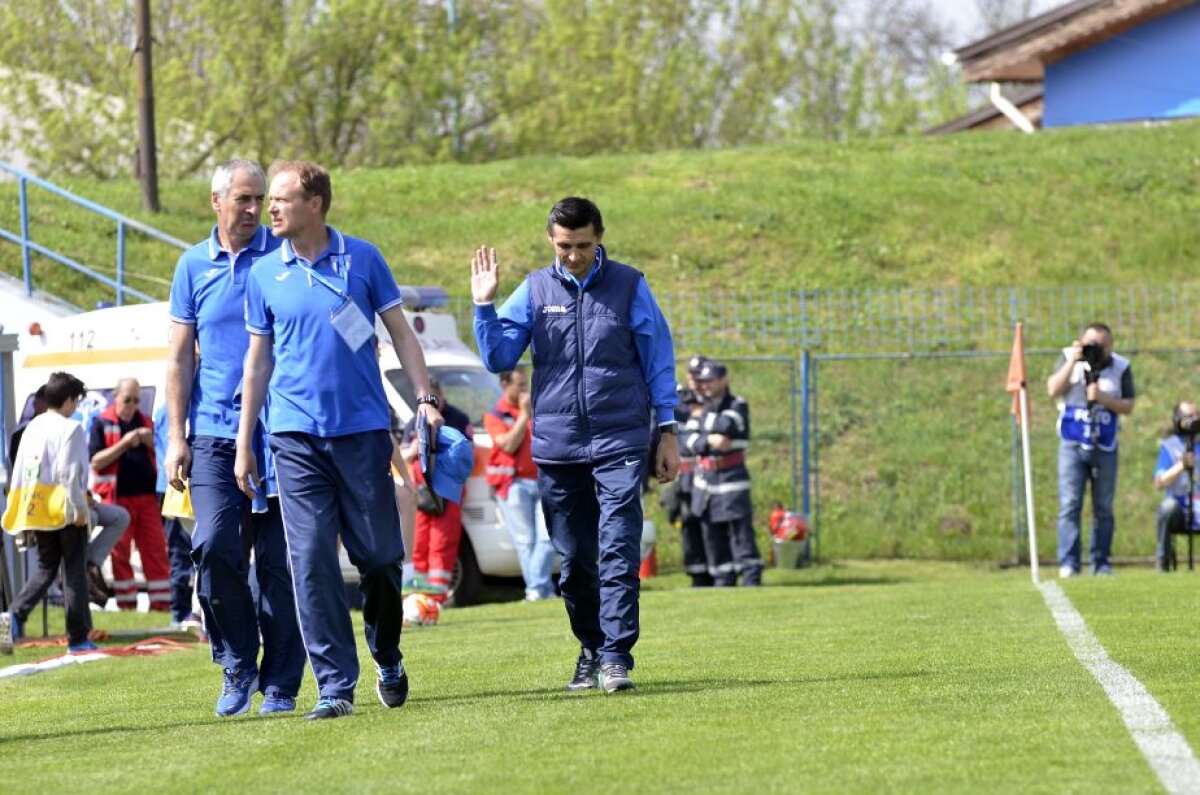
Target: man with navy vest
208,296
603,376
310,311
1093,387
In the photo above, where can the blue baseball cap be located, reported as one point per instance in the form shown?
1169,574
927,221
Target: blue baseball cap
455,460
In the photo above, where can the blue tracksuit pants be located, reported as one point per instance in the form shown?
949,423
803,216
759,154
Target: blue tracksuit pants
594,515
234,615
331,487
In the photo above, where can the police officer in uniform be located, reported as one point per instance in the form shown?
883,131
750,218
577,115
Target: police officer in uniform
688,414
721,482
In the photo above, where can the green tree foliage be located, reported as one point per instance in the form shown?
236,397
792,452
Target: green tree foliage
386,82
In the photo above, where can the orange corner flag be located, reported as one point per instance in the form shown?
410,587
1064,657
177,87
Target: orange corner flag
1016,371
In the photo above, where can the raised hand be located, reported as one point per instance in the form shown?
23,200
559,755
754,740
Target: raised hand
485,275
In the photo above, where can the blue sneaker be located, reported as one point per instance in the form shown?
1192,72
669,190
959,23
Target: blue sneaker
330,708
235,700
273,704
414,584
81,648
392,685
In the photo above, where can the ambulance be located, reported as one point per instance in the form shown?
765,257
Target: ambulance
105,345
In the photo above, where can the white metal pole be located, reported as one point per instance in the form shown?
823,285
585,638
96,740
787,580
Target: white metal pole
1033,547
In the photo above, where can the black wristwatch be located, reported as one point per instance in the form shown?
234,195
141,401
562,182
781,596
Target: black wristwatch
431,400
669,427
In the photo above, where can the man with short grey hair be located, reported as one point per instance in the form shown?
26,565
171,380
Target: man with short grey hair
207,302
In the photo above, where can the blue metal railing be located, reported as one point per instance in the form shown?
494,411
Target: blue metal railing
124,224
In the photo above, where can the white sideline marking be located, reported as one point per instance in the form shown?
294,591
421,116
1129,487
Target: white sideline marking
1160,742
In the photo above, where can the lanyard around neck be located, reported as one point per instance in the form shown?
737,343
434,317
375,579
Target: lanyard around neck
312,274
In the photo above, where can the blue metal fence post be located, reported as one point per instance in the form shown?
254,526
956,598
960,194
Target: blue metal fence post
24,201
792,406
806,505
815,408
120,263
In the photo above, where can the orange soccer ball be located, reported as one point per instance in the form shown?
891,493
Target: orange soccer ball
421,610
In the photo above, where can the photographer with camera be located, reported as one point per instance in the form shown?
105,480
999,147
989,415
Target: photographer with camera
1175,474
1093,387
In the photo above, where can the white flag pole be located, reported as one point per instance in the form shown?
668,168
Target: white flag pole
1033,547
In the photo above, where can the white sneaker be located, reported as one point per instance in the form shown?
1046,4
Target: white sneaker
1066,572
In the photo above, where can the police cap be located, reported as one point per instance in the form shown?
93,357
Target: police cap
711,371
696,363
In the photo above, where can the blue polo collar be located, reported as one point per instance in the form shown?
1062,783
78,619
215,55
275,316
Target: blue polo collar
601,257
257,243
336,252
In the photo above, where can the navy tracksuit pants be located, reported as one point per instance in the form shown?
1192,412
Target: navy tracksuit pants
235,615
179,555
331,487
594,515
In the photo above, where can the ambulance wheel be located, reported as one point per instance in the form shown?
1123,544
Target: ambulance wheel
467,579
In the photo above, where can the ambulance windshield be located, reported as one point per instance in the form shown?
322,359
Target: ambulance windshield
470,389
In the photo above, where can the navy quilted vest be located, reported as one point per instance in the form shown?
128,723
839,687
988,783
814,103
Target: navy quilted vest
590,399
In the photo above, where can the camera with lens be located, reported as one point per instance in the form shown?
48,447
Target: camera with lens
687,397
1093,354
1187,425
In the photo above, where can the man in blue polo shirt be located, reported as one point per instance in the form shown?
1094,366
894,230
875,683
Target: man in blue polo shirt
310,311
603,375
207,299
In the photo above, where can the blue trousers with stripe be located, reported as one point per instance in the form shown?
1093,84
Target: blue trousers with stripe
342,487
235,613
594,515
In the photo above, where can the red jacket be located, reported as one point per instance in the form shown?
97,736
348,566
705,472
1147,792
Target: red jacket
503,467
104,481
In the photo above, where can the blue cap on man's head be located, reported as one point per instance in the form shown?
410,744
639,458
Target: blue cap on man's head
455,460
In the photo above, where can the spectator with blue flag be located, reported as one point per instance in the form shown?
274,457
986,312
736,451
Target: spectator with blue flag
603,378
1093,387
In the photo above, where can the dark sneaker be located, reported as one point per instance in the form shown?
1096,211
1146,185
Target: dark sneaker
82,648
273,704
587,673
8,633
614,678
330,708
99,592
235,699
392,685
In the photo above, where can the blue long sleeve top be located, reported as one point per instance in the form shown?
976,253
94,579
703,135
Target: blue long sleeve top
504,335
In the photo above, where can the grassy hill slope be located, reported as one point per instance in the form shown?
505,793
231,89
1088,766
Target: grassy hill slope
1060,207
915,457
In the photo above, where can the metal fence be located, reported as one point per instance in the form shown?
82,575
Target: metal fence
920,319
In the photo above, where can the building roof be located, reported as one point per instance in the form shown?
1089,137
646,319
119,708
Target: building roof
1028,101
1020,53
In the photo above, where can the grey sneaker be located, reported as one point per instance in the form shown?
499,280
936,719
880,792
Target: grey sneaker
614,678
587,673
7,632
327,708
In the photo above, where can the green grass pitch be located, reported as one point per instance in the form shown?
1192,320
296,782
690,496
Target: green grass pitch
863,677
